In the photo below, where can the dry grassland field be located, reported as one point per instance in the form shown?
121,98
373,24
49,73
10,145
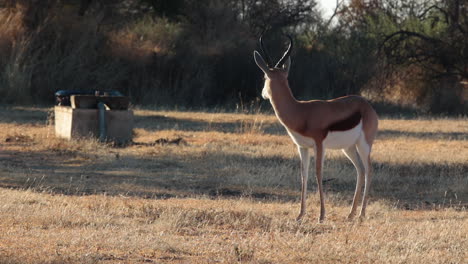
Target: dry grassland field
206,187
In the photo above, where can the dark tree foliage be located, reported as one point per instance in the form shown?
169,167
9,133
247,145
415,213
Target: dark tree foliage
442,49
199,53
418,45
274,14
170,9
84,5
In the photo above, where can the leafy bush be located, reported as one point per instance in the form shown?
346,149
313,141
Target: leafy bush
194,55
58,55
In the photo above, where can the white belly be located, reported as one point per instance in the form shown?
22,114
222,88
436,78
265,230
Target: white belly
343,139
333,140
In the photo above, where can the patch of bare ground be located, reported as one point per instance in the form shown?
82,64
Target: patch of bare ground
223,188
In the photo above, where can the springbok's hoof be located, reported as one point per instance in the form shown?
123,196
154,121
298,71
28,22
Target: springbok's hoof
321,219
299,218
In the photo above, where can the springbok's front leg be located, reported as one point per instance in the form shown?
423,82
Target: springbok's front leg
305,160
319,155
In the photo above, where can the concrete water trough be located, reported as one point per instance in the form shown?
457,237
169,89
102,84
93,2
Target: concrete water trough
95,114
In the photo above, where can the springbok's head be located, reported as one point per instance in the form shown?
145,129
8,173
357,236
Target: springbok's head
278,72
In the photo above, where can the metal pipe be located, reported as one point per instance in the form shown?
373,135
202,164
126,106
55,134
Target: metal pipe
102,121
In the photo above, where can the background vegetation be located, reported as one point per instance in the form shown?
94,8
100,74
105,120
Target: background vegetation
406,53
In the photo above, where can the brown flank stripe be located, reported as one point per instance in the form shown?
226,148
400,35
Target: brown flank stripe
346,124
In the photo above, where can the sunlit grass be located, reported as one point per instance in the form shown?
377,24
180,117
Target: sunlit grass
228,194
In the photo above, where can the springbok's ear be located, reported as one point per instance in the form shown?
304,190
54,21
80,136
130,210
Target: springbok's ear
287,64
261,62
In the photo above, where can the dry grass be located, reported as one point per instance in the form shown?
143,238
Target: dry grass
227,194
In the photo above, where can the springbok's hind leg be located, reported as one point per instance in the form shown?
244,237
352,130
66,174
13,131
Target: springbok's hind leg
364,150
353,155
319,157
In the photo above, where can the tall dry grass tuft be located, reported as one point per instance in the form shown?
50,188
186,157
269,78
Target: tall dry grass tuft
10,29
413,89
60,53
153,60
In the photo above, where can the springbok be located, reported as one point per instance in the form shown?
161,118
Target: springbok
348,123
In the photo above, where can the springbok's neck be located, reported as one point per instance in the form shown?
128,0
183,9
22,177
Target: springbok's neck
283,101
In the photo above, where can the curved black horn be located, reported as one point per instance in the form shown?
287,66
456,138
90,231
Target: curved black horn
264,51
286,54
